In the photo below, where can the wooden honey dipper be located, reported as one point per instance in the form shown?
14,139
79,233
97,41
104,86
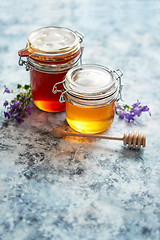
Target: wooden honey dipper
131,139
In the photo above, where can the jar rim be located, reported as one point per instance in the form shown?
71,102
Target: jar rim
101,82
53,42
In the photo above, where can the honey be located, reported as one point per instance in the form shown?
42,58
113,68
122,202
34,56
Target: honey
90,92
50,52
89,120
41,89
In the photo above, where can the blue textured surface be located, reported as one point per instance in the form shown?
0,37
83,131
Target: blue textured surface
82,189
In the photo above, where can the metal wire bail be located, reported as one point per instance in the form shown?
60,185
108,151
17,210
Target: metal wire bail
55,90
80,35
22,62
62,98
119,74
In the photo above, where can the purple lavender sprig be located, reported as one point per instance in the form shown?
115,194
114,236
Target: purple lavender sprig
130,113
19,107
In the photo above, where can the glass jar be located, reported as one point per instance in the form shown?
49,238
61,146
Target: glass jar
90,92
50,52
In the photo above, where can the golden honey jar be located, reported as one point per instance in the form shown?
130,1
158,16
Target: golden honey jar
90,92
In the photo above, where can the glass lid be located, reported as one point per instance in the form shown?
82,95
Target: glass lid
52,40
90,80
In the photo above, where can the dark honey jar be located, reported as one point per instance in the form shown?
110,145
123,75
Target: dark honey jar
50,52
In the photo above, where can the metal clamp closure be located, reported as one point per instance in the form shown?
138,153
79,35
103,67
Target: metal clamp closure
62,98
22,62
119,74
80,35
55,90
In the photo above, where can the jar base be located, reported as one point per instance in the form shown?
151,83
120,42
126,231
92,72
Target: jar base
90,127
49,106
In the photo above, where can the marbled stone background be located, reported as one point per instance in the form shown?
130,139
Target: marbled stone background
74,188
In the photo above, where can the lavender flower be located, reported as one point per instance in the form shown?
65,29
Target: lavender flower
122,114
19,107
28,109
130,116
6,90
5,103
7,115
19,119
129,113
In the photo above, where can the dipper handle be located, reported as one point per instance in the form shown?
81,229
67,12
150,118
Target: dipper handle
131,139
